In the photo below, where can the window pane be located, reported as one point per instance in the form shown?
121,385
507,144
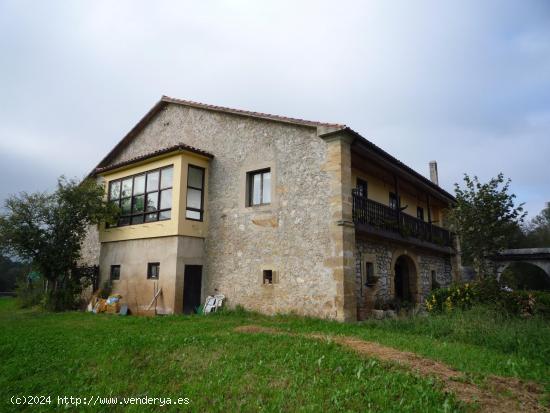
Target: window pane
137,219
138,203
115,272
193,198
195,177
126,187
114,190
256,189
152,201
166,177
139,184
125,206
370,271
151,217
152,181
123,221
166,199
164,215
193,214
362,188
393,201
266,194
153,270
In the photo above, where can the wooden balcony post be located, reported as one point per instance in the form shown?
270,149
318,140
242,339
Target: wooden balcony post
398,210
429,215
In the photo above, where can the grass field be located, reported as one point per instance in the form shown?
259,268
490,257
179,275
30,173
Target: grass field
204,359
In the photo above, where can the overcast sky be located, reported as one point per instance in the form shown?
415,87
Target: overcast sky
466,83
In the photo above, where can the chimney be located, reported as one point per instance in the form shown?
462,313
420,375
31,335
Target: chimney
433,172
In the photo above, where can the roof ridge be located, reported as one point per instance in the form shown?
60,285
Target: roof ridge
243,112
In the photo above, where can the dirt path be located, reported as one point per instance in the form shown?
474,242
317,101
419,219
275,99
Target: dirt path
500,394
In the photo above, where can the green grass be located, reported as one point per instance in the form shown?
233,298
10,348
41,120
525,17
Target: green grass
202,358
479,341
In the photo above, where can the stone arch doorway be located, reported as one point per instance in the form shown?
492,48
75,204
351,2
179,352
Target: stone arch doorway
405,280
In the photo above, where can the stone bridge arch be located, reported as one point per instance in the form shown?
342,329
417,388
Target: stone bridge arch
539,257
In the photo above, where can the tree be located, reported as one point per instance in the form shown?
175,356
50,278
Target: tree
47,230
538,230
485,218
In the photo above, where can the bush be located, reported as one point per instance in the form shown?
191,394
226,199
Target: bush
29,292
525,303
489,292
447,299
65,297
29,296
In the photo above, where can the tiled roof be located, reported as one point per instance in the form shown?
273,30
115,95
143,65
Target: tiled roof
332,128
179,147
250,113
392,159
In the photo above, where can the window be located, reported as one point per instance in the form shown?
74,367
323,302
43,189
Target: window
368,279
268,276
153,270
144,197
369,269
420,213
259,187
394,202
435,284
362,188
195,198
115,272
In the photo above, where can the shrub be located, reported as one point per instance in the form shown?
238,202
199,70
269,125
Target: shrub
489,292
29,295
519,302
447,299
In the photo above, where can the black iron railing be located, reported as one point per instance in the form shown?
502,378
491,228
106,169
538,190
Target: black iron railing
382,217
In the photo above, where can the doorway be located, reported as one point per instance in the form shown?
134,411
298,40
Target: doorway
192,283
405,280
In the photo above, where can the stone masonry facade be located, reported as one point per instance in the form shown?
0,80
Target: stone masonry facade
305,235
290,237
383,255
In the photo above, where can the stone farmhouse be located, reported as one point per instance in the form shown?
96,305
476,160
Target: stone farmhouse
277,214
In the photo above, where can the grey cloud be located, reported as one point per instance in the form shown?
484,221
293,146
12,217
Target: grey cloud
465,82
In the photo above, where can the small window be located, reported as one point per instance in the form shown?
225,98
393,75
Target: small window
259,187
268,276
420,213
153,270
195,193
394,202
368,274
369,269
435,284
362,188
115,272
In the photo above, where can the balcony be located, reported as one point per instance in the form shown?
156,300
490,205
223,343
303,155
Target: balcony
379,219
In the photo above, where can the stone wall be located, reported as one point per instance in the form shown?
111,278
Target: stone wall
89,251
291,236
383,254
